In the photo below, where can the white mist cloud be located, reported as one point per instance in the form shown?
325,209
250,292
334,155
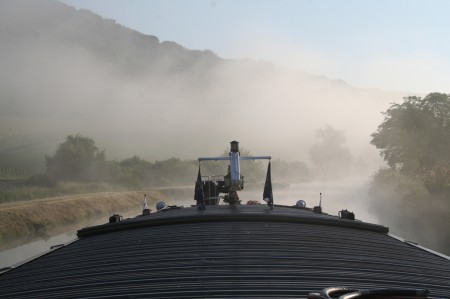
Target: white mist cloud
416,72
259,41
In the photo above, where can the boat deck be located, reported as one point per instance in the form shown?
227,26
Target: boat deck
228,251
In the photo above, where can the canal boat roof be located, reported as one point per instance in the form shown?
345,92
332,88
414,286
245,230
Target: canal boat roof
230,251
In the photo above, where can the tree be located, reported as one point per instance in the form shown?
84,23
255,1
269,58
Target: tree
412,193
329,156
414,138
77,159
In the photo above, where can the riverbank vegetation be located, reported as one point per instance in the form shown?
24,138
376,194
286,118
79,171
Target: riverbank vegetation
26,220
412,193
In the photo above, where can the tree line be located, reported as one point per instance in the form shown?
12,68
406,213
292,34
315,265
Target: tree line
78,159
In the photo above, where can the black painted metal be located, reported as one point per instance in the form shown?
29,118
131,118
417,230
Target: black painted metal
230,213
254,252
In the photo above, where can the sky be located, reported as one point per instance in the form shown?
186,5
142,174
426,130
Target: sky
399,45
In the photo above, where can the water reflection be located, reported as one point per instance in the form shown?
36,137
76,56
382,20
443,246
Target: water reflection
23,252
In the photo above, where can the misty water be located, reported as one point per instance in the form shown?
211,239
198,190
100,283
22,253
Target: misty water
23,252
350,194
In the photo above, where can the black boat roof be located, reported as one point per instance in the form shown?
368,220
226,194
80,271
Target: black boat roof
228,251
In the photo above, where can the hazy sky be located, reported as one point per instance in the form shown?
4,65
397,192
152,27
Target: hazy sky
393,44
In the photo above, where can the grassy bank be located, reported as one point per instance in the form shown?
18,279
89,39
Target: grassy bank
23,220
18,191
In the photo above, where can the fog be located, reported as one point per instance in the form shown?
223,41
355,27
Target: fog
135,95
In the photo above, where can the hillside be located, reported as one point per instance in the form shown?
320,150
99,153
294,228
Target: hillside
67,71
